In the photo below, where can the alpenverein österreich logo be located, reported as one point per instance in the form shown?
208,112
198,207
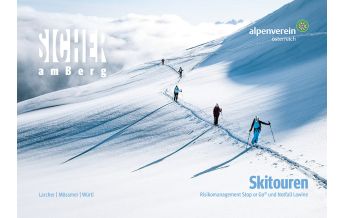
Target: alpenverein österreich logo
302,25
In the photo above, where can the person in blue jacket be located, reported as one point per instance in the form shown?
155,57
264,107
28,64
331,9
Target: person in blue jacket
257,127
176,92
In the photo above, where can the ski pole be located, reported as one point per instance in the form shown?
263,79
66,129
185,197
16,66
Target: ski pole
248,139
272,133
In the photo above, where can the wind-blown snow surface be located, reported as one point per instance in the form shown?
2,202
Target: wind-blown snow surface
143,155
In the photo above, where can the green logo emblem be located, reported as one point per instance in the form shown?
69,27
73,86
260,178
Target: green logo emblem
302,25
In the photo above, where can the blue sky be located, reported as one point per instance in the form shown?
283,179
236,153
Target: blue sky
194,11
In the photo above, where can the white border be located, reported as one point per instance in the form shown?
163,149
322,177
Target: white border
8,107
335,108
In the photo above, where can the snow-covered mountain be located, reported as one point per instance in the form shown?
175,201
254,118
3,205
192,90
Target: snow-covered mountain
143,155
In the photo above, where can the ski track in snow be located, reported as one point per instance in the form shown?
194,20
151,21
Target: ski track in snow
305,170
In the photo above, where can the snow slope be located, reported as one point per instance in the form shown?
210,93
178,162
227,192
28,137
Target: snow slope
143,155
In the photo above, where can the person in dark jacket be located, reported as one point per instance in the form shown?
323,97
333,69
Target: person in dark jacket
180,71
216,112
257,127
162,61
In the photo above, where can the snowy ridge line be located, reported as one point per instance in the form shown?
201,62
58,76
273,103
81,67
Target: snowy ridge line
307,171
188,56
115,134
144,68
200,62
41,108
217,41
174,152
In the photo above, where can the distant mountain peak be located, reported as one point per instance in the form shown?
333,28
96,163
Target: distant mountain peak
232,21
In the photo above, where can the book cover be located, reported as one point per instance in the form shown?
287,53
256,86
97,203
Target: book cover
172,108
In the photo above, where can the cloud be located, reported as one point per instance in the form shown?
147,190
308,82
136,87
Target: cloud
130,40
